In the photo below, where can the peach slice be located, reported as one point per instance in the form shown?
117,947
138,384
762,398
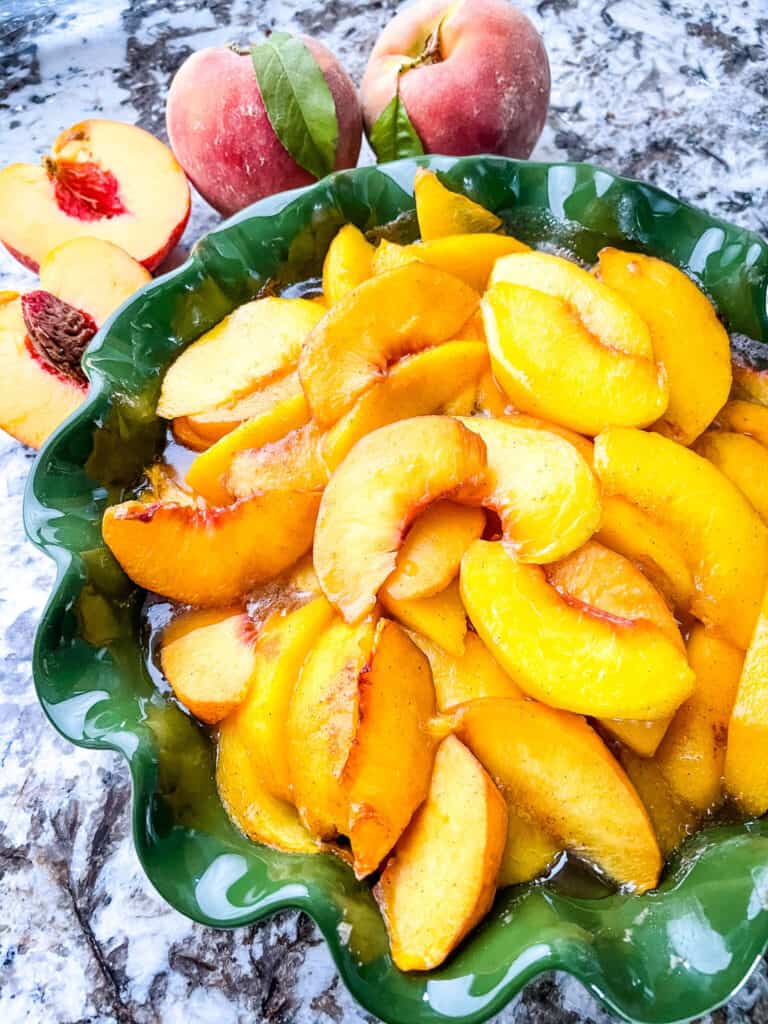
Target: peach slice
36,397
376,492
208,658
431,553
210,556
583,445
672,818
291,463
682,322
261,816
347,263
208,427
555,768
208,473
92,275
743,460
162,484
749,384
490,399
418,385
442,212
103,179
746,773
469,257
692,754
543,490
528,851
461,678
402,311
592,365
441,879
284,641
322,724
567,653
650,544
440,617
744,418
608,582
723,540
256,343
388,771
389,255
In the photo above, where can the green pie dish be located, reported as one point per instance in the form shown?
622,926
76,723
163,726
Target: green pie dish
670,955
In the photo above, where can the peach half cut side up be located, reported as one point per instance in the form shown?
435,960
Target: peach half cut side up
103,179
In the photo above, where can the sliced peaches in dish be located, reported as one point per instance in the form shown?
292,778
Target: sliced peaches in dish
103,179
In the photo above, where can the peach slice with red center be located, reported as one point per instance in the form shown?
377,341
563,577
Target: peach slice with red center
743,460
592,365
383,319
417,385
555,768
441,878
210,556
542,489
442,212
258,342
567,653
431,553
723,540
39,393
468,257
347,263
208,658
373,496
103,179
681,322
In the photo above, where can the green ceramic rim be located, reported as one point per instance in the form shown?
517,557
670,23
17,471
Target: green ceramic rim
667,956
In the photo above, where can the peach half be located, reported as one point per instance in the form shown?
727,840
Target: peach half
259,341
383,319
441,878
564,652
682,322
723,540
556,769
210,556
593,363
542,489
389,476
103,179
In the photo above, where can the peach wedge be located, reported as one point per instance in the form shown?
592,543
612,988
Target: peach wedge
566,653
376,492
347,263
419,385
440,617
257,342
469,676
543,490
441,879
723,540
468,257
441,212
555,768
742,417
404,310
743,460
746,769
210,556
208,658
681,320
593,363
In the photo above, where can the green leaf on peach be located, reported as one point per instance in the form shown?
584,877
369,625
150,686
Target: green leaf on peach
393,135
298,102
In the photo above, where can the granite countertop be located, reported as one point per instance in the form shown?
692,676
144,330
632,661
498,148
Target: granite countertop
673,92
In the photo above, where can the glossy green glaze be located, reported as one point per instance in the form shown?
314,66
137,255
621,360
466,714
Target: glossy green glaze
666,956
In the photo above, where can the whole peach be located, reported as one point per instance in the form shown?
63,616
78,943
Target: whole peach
483,86
221,135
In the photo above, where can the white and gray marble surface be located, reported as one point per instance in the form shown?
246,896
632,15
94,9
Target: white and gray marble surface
670,91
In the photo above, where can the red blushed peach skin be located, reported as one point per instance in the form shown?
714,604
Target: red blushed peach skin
404,310
386,480
210,556
34,399
215,106
485,88
103,180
